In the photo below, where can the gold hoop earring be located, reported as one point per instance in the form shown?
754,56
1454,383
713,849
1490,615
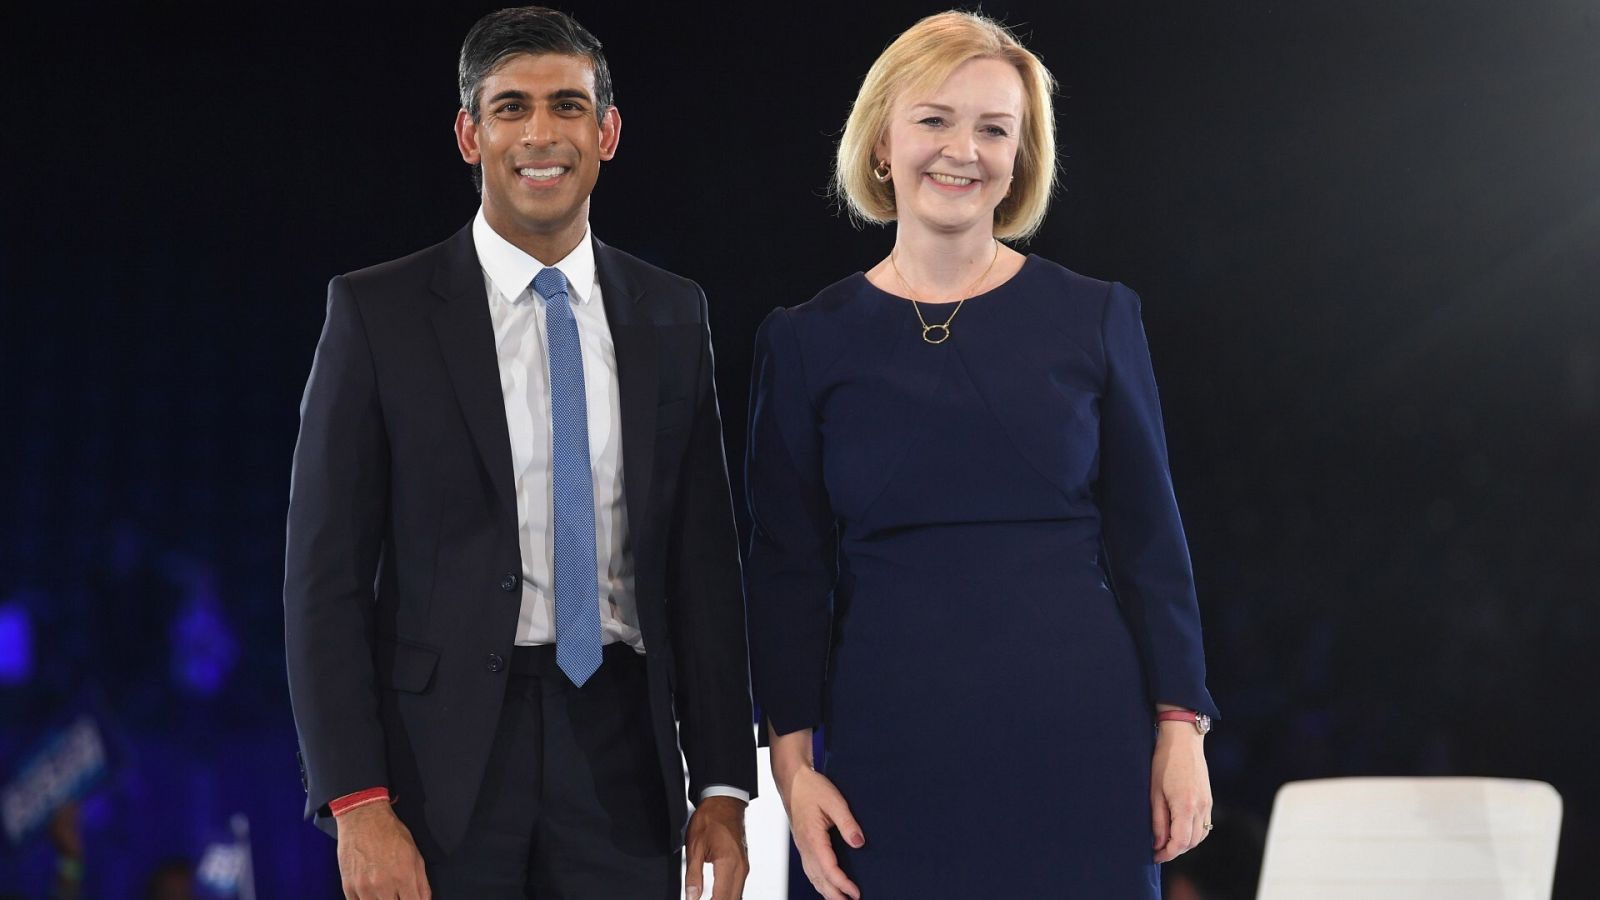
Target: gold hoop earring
881,172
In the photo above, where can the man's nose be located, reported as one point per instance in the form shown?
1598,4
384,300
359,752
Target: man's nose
538,128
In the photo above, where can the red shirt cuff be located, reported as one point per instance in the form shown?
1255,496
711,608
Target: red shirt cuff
344,804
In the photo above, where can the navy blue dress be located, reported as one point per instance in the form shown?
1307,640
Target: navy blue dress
967,568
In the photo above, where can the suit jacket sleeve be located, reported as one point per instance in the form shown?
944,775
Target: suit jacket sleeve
792,561
337,510
705,603
1145,544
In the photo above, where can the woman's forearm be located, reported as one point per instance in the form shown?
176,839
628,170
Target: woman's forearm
791,753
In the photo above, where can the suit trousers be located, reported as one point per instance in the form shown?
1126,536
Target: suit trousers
572,806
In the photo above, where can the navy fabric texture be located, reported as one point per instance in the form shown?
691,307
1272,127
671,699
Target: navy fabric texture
967,566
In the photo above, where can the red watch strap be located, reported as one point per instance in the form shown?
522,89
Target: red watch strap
1177,715
344,804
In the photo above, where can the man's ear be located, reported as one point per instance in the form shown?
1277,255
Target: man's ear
467,138
610,133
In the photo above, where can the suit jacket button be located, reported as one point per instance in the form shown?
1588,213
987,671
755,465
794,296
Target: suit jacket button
509,583
495,663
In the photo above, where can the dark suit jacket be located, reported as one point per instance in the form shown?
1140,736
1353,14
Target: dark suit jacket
402,579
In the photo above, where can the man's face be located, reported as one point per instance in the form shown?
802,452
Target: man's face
539,141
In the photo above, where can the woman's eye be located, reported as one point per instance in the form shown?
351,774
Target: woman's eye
932,121
996,130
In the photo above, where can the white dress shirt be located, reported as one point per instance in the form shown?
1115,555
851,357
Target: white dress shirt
518,314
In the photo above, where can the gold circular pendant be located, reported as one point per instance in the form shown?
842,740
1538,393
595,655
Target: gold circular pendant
928,330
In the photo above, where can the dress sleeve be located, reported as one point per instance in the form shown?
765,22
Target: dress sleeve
1145,547
792,564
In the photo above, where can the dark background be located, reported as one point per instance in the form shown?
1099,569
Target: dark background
1367,236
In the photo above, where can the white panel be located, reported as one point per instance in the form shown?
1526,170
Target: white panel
1414,838
767,829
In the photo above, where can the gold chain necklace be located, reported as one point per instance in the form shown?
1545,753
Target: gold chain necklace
942,327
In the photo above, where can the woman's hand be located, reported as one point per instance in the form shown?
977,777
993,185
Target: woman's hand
815,807
1180,791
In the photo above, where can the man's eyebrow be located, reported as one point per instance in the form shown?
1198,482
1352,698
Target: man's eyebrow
557,94
508,95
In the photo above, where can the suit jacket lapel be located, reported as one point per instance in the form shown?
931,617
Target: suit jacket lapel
635,339
466,339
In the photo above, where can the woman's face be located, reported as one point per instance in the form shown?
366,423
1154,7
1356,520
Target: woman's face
951,153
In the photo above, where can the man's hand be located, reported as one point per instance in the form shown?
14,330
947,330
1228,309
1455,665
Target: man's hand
378,860
1180,791
716,835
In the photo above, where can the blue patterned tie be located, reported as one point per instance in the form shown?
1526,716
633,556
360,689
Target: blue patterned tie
577,576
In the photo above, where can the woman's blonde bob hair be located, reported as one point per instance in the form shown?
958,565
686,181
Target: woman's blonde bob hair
918,62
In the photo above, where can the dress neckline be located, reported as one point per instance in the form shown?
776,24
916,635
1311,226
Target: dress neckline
1027,261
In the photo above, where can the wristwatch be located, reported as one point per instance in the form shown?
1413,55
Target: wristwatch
1201,721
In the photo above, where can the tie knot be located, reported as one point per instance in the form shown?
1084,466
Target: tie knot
549,282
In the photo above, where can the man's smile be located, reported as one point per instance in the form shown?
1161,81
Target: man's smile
542,174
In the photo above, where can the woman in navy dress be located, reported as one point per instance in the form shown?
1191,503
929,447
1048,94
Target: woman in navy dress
967,564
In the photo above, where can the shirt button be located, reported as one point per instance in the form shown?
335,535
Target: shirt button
495,663
509,583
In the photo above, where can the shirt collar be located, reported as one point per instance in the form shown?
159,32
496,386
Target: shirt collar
511,270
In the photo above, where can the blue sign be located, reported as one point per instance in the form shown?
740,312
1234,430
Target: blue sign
68,764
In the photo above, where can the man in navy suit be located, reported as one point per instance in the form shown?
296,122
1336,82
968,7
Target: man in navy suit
502,436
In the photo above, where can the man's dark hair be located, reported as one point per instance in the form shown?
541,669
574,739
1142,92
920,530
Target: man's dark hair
533,30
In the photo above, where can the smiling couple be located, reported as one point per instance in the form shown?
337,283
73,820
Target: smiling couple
513,589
